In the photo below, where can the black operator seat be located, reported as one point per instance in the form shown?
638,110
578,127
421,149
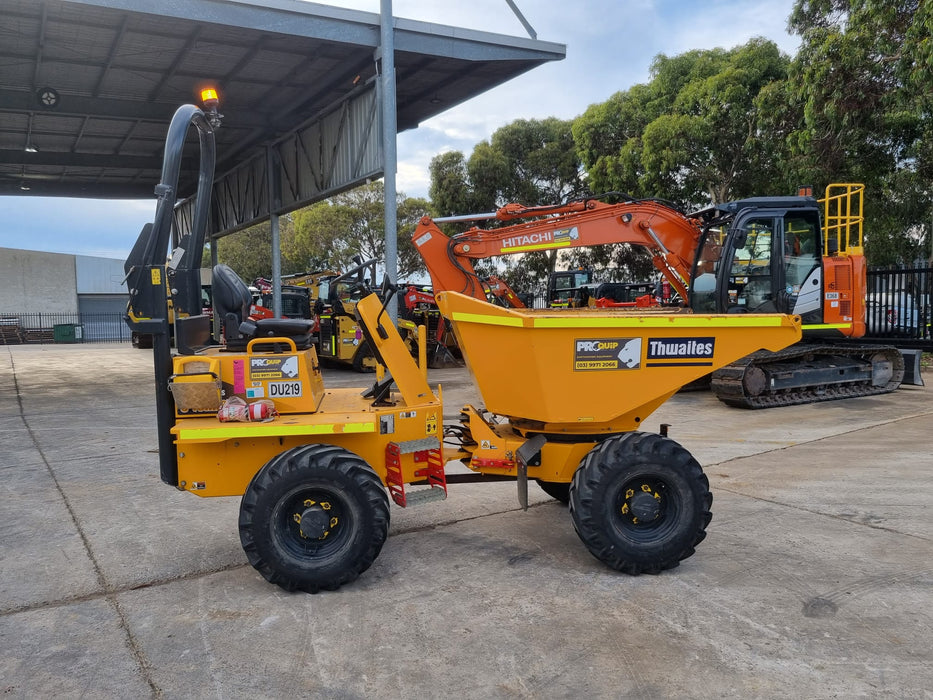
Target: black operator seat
232,300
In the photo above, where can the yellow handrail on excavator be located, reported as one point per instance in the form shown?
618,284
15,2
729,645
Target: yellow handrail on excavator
843,218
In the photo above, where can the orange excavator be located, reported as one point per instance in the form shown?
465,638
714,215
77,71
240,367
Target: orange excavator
792,255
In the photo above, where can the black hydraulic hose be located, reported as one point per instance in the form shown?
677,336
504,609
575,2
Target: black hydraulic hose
205,185
390,294
156,249
472,278
167,189
362,266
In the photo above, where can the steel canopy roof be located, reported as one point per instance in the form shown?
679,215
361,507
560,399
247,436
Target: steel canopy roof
87,87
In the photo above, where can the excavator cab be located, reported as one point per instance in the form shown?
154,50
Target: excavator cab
563,285
764,260
792,255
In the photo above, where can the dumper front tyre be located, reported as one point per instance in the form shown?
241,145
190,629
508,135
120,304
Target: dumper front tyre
314,518
640,503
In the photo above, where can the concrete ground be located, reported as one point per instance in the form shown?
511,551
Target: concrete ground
815,580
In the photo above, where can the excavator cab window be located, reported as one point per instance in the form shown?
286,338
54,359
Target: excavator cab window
324,289
352,291
801,264
750,286
703,294
733,270
765,262
563,286
801,238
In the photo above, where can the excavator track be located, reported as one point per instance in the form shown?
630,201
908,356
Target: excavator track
807,373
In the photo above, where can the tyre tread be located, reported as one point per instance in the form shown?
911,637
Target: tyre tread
595,474
324,458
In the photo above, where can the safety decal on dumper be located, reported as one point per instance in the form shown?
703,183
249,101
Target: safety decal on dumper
606,354
680,352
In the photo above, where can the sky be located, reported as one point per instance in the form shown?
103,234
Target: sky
610,47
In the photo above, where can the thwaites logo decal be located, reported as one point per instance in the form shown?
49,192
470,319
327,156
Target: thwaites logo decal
680,352
606,353
284,367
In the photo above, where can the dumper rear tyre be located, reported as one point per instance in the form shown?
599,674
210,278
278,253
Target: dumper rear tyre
314,518
640,503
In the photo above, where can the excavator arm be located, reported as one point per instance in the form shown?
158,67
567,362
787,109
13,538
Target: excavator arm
669,236
501,290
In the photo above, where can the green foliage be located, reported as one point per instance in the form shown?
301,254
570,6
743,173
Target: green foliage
608,139
327,235
854,104
249,252
692,135
863,76
528,161
450,190
898,232
330,233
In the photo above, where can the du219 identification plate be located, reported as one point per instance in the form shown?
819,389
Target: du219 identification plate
279,390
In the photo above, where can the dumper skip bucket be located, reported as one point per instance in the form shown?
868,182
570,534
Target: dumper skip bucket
588,371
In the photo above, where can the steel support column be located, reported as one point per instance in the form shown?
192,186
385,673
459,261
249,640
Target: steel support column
274,189
390,155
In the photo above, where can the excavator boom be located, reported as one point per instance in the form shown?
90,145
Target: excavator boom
669,236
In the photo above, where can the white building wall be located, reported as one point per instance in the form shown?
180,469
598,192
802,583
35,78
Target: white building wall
37,282
99,275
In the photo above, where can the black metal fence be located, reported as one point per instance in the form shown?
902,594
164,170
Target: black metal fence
19,328
898,309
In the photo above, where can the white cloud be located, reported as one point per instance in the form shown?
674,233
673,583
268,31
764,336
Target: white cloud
412,179
729,23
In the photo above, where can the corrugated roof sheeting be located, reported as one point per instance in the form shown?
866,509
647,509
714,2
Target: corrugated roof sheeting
120,68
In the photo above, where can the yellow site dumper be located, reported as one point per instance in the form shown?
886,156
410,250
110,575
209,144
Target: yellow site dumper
565,395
